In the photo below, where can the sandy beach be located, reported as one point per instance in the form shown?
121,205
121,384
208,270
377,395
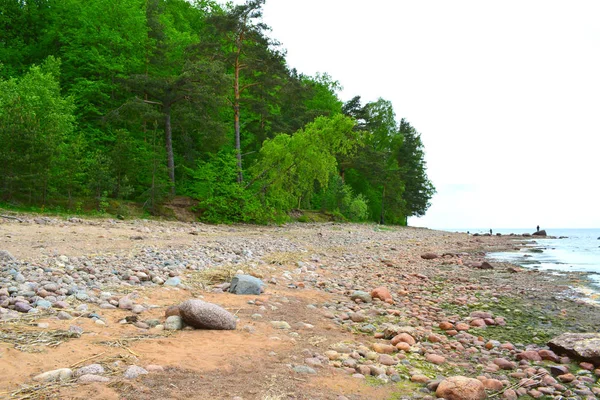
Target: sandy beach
349,311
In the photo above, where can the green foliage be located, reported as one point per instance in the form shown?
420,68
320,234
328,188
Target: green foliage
221,198
34,122
290,167
104,102
339,198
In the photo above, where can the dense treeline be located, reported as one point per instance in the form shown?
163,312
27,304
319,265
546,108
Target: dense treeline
141,100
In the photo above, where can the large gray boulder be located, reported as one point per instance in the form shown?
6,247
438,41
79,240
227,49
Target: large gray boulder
246,284
540,233
582,346
202,315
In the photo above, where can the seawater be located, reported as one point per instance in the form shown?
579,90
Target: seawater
579,251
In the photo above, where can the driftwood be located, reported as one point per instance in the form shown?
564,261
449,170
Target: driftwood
11,217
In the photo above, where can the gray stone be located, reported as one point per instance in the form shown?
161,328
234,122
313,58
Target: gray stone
137,309
202,315
582,346
173,281
363,296
280,325
43,304
303,369
22,306
246,284
134,371
93,369
6,256
62,374
63,315
174,323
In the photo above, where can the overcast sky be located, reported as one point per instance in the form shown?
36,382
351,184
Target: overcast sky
506,96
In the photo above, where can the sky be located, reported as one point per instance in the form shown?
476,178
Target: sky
506,96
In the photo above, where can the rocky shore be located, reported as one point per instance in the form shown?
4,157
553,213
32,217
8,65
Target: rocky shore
90,309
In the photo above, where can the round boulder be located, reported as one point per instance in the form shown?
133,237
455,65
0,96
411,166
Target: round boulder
246,284
461,388
202,315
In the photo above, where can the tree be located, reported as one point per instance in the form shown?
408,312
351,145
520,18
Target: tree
413,171
289,167
176,74
34,121
255,63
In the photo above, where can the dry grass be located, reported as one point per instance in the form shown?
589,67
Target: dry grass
33,341
40,391
284,258
204,279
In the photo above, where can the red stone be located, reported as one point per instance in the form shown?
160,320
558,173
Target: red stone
382,294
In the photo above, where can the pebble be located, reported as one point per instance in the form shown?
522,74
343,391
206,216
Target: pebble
133,371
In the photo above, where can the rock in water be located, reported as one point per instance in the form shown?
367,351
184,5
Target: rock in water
202,315
246,284
461,388
583,346
540,233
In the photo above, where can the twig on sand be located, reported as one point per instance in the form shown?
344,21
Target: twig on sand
87,359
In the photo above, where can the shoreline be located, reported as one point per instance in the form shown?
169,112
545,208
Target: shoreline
312,272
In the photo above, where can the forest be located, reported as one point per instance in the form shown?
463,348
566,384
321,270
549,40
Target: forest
112,102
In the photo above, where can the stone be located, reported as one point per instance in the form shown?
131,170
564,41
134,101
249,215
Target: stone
62,374
363,296
418,378
485,265
64,315
548,355
303,369
5,256
493,384
529,355
582,346
429,256
445,326
133,371
461,388
22,307
540,233
386,360
246,284
382,294
125,303
280,325
383,348
92,369
202,315
566,378
435,359
504,364
137,309
174,281
90,378
173,323
172,310
403,337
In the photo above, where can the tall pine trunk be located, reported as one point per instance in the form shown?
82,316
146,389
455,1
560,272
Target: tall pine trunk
236,119
169,147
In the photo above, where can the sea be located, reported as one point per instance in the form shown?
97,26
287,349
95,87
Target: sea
577,251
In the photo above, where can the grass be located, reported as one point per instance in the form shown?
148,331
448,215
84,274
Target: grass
525,322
